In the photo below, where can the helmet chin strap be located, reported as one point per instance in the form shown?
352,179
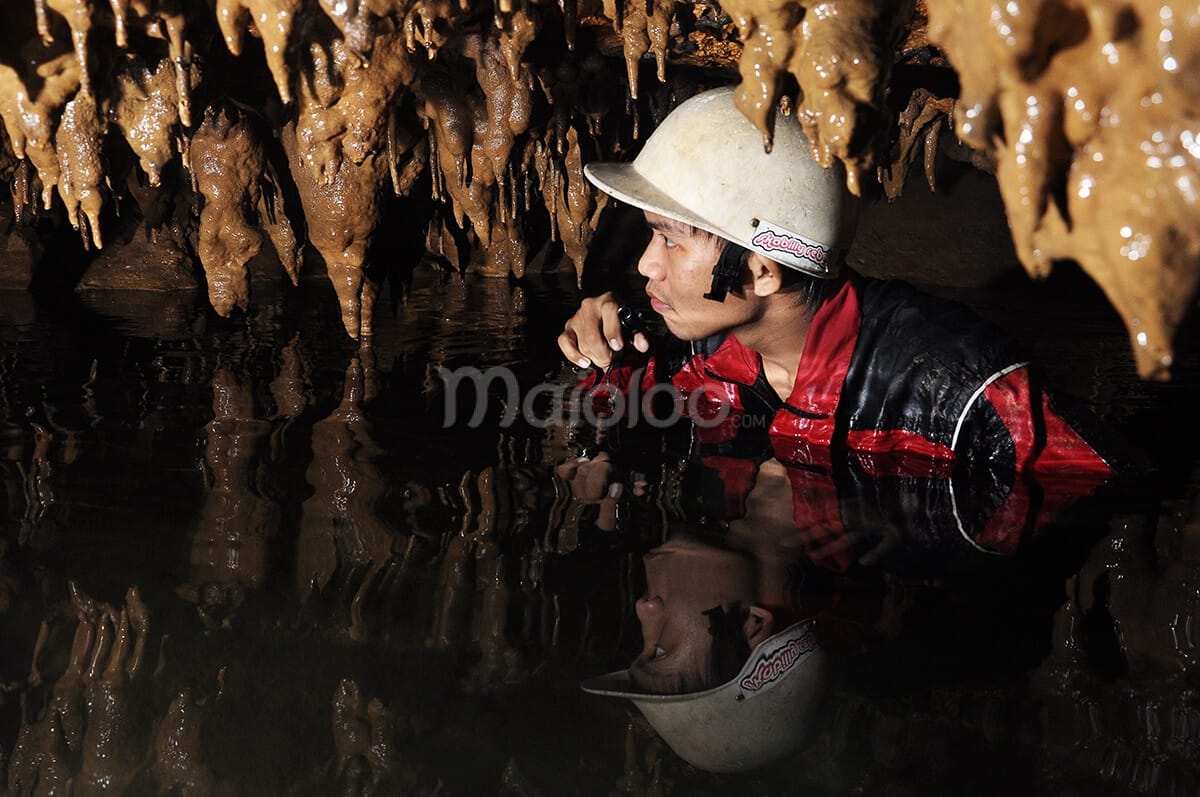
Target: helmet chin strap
727,273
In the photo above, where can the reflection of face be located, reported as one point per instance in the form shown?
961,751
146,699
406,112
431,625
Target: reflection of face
684,579
678,264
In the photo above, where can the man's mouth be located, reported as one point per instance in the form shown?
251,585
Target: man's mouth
658,305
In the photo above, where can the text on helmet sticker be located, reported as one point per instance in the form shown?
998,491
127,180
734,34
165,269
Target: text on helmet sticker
772,666
770,238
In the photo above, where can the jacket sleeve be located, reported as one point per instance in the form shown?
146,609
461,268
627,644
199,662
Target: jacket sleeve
1021,420
1013,437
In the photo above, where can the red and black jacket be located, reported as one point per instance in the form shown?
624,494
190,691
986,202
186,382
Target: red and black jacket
905,385
897,376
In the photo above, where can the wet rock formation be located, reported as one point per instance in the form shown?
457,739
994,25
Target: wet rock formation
293,117
1090,109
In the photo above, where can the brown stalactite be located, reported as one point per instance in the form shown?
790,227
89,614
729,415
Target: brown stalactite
339,162
81,171
920,123
78,14
31,118
146,110
273,21
1071,102
1090,111
227,160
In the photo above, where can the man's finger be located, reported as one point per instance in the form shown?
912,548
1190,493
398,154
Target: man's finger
611,322
566,343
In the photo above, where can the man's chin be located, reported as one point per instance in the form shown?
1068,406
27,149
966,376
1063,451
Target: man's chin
682,332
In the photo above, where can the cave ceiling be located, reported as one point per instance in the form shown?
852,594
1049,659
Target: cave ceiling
220,127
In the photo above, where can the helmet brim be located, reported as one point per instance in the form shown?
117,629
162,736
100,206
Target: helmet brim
764,713
623,182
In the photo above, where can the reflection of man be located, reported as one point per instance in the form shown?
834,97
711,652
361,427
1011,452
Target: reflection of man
706,606
732,666
744,263
737,628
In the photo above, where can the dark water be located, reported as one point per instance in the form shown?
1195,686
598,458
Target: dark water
342,597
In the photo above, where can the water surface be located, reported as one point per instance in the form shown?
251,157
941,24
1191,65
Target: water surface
342,596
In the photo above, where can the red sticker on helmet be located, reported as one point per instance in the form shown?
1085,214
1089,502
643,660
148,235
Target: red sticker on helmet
772,666
771,240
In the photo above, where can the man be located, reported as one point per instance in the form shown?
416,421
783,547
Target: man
745,264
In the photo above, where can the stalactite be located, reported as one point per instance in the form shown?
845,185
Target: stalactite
508,98
227,161
241,193
343,134
519,30
165,19
273,21
31,118
1091,113
81,171
78,14
840,53
355,20
921,123
146,110
573,207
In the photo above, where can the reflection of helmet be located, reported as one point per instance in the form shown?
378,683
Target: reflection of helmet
705,166
766,712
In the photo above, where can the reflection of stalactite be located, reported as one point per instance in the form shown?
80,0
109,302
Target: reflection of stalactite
367,759
1133,604
1126,646
39,490
342,534
229,549
91,732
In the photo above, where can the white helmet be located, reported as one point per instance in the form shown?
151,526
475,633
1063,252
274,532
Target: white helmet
705,166
767,711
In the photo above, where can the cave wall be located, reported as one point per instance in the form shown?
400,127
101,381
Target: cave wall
216,127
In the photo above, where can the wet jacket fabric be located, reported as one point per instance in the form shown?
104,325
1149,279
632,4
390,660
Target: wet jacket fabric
895,384
898,377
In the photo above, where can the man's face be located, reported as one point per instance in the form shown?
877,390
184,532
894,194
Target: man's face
684,579
678,264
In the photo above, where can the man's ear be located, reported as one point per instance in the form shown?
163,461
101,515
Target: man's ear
766,276
759,625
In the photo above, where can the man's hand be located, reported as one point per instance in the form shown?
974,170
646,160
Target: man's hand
593,334
593,481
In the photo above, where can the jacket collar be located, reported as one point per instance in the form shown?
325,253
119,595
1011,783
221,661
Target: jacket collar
823,364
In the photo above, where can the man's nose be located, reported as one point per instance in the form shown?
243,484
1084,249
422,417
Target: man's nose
649,612
650,265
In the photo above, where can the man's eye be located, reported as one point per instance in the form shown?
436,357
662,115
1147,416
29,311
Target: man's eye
668,242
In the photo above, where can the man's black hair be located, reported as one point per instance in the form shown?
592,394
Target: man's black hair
730,648
810,291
